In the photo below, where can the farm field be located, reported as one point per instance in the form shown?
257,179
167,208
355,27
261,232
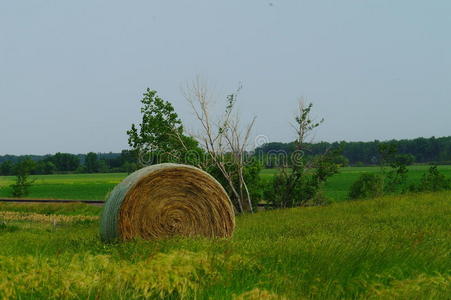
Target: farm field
337,187
68,186
97,186
396,247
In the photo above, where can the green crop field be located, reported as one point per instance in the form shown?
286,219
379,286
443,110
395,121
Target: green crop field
337,187
97,186
68,186
396,247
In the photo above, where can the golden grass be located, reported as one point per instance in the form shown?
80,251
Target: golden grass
177,274
42,218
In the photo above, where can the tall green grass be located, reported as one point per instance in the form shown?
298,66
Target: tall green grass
395,247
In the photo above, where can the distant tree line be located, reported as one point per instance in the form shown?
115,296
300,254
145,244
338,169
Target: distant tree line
60,163
419,150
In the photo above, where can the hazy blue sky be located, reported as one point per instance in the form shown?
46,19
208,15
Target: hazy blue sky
72,72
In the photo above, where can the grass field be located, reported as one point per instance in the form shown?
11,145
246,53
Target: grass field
70,186
97,186
386,248
337,187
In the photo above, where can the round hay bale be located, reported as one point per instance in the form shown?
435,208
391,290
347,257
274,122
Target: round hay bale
166,200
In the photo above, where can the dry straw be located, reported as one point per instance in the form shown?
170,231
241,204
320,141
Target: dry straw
166,200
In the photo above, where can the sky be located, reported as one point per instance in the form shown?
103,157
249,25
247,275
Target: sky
72,73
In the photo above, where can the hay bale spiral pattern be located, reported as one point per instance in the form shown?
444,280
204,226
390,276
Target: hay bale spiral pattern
166,200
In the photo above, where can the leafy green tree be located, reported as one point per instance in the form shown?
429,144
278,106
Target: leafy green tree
7,168
65,162
387,153
44,167
432,181
91,163
102,166
341,160
368,185
81,169
405,159
129,167
395,179
160,137
23,170
128,156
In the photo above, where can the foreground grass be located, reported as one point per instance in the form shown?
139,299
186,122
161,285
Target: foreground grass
97,186
391,247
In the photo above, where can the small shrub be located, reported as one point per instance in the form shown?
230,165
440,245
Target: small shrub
298,188
367,186
432,181
391,181
395,181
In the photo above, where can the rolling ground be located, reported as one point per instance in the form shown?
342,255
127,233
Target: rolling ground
396,247
385,248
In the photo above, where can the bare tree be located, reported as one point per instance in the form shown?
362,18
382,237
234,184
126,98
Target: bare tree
224,139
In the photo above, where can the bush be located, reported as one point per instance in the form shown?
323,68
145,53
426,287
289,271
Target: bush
405,159
289,190
319,199
300,185
367,186
432,181
395,181
386,182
